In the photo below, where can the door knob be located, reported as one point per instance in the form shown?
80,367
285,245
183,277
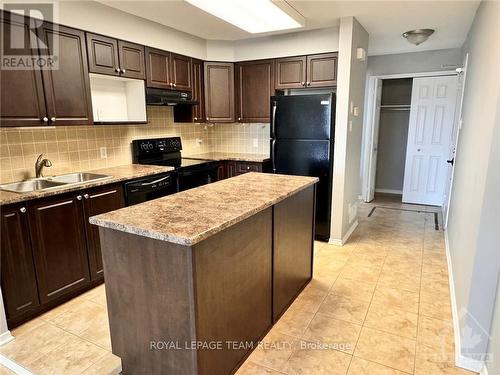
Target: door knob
451,161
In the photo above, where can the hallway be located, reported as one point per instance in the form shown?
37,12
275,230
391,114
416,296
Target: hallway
378,305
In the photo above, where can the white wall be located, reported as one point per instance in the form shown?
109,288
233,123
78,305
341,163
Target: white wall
5,335
348,129
474,224
494,347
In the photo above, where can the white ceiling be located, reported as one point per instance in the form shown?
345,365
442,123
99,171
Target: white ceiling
385,21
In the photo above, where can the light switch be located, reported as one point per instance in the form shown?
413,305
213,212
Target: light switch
104,152
255,142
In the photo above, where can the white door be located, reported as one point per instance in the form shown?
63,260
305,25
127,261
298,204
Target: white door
373,142
454,139
432,114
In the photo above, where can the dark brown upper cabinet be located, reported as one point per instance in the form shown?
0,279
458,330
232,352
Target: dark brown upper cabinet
57,229
166,70
22,102
219,91
115,57
67,87
60,95
322,70
306,71
198,91
254,87
19,287
98,201
290,72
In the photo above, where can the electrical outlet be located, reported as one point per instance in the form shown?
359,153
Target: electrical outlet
255,142
104,152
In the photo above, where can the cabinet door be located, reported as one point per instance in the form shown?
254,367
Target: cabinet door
290,73
158,69
131,60
21,98
59,245
19,288
322,70
67,87
99,201
198,92
103,54
293,239
181,72
219,91
255,86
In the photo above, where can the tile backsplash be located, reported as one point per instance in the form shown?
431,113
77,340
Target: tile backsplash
78,148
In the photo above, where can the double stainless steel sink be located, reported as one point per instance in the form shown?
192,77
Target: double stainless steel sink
54,182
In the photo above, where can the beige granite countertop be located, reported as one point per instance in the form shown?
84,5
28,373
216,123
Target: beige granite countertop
191,216
233,156
118,174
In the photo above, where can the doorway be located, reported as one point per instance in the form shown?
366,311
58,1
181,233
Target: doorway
408,138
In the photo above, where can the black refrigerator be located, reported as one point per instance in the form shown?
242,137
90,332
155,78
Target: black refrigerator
302,130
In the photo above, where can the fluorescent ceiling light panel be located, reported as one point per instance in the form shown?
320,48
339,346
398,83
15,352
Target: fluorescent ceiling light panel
254,16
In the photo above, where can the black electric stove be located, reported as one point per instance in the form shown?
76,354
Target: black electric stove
167,151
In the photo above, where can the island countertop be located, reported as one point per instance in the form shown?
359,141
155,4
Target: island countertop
191,216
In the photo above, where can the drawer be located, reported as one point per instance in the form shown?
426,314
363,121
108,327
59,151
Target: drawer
247,167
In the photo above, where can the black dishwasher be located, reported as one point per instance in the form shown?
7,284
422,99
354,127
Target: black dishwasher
147,188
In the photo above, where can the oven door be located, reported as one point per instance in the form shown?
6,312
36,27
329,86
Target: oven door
197,176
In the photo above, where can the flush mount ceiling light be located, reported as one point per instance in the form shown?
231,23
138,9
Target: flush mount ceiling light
254,16
418,36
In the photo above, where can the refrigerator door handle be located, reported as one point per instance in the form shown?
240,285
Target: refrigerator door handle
273,154
273,118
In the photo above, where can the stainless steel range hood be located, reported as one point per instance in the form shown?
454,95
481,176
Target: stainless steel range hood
162,97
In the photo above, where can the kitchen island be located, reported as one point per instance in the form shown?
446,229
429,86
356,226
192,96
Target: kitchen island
195,279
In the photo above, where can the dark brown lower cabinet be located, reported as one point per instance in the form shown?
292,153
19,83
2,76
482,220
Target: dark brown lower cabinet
49,250
59,245
235,168
19,287
293,248
98,201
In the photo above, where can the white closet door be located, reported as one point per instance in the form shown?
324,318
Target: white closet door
432,114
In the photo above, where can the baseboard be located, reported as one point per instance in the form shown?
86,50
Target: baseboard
13,366
389,191
460,360
484,371
341,242
5,338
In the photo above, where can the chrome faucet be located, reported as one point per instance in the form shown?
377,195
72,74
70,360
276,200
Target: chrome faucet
39,164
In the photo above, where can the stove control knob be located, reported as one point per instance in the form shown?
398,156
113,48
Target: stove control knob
150,146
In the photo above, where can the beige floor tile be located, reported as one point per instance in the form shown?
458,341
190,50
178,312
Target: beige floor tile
97,332
310,299
249,368
347,309
28,326
79,318
396,298
294,322
340,334
109,364
386,349
407,281
35,343
6,371
439,308
391,320
432,287
74,357
396,264
274,351
362,273
360,366
317,361
429,361
65,307
435,333
349,288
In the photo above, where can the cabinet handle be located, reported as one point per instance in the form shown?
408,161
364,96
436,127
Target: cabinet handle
248,168
117,70
53,119
196,118
239,118
45,119
23,210
308,83
86,196
124,71
303,83
79,197
175,85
